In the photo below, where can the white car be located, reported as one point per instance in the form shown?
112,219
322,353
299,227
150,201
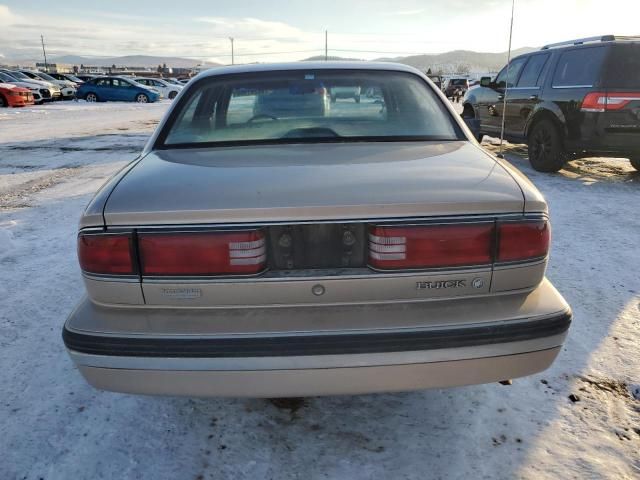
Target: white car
67,88
167,89
35,89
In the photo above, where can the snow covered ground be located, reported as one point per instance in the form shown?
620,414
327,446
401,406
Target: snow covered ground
54,426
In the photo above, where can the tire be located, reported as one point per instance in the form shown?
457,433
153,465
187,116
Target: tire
172,95
469,112
91,97
142,98
546,152
3,102
635,162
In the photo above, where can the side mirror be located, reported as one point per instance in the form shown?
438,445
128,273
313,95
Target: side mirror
485,82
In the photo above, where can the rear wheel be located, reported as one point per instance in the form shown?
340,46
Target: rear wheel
546,152
142,98
91,97
3,102
635,162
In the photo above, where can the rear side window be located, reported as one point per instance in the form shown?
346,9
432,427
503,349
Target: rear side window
531,74
579,68
623,67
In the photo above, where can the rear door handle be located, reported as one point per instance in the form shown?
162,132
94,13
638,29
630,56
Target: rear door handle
500,97
533,97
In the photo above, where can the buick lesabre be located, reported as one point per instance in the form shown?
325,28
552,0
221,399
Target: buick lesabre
270,243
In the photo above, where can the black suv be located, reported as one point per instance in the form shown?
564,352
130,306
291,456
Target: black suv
567,100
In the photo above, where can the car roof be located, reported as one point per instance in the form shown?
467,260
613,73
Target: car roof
330,65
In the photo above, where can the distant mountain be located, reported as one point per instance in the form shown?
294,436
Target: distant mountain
449,61
319,58
130,61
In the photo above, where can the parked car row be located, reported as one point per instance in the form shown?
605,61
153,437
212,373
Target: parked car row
43,87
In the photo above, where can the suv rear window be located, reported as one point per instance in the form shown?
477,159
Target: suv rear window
579,68
299,106
623,67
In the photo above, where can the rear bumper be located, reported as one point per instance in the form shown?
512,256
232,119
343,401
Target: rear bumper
318,381
424,345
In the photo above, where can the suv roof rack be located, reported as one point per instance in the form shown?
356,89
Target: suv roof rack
601,38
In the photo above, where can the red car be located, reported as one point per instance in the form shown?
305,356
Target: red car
14,96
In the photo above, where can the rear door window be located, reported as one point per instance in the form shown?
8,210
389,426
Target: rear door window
579,68
623,67
531,74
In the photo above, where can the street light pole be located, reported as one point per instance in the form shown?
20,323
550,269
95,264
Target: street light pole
232,58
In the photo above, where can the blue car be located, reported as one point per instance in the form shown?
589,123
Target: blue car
116,89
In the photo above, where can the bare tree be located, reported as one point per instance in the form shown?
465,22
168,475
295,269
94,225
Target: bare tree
462,69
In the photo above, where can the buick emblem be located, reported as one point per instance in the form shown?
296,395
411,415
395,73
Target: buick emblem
477,283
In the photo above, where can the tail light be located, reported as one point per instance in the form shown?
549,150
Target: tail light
602,102
202,253
436,246
429,246
522,240
108,254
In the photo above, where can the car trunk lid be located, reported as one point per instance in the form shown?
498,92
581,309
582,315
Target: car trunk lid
318,182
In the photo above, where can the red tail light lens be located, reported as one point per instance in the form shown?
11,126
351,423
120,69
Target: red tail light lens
523,240
430,246
105,254
206,253
602,102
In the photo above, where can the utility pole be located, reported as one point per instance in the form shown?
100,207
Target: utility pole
326,45
46,66
232,59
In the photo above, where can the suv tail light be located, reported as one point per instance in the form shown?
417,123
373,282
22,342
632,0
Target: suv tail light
522,240
436,246
602,102
202,253
108,254
429,246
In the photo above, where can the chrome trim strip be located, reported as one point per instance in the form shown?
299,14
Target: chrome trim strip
560,87
387,221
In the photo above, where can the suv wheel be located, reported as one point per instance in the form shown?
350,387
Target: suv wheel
546,152
3,102
635,162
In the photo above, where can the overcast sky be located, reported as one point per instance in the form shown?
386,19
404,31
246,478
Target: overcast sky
264,29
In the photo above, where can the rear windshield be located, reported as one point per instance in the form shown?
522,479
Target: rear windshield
309,106
579,67
623,67
459,82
